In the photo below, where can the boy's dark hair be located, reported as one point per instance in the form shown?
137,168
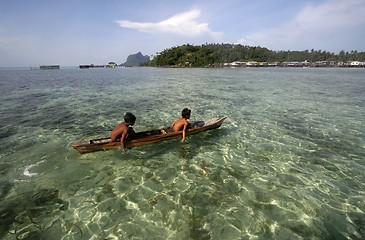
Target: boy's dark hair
129,117
185,112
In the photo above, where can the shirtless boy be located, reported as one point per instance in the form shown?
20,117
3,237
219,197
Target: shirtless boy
123,130
182,123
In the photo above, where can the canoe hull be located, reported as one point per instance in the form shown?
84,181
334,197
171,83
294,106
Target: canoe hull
148,137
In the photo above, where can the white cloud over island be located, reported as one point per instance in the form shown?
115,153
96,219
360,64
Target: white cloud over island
185,24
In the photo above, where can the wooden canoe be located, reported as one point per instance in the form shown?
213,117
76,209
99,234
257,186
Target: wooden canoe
147,137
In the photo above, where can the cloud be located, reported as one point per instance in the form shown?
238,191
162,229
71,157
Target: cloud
182,24
335,24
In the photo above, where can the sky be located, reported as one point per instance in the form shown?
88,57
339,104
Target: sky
74,32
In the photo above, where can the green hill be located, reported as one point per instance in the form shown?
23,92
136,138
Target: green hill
210,55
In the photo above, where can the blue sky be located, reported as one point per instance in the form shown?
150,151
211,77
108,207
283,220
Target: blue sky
73,32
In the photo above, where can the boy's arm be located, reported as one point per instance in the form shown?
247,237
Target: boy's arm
184,131
122,139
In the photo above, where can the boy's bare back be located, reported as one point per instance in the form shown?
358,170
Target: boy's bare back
179,125
119,131
123,129
182,124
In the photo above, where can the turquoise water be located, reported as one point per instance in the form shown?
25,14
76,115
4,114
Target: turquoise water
288,163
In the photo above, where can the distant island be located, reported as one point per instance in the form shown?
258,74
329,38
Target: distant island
137,59
236,55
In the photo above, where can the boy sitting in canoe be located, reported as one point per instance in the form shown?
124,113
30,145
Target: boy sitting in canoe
182,123
123,131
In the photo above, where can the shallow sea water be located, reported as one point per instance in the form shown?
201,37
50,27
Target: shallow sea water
288,162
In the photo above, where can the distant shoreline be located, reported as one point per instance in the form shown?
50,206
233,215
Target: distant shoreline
178,66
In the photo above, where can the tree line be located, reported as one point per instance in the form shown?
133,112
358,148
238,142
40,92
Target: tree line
214,54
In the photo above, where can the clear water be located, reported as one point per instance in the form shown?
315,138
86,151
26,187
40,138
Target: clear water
288,163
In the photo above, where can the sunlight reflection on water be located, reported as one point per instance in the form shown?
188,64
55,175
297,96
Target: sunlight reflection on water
286,164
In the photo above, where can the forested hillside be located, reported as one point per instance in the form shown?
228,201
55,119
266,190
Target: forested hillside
215,54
